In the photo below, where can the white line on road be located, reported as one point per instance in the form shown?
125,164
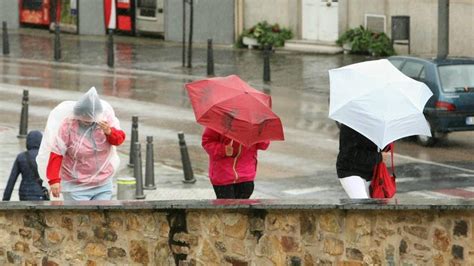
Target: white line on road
305,190
434,163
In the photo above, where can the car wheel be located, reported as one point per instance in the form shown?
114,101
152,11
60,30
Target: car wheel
426,141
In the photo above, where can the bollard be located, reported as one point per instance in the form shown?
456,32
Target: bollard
6,44
126,188
266,63
137,172
149,165
187,169
57,43
210,58
24,115
133,139
110,49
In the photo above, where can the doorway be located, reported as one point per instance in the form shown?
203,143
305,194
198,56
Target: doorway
320,20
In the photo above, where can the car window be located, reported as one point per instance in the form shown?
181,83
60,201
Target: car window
457,77
397,62
412,69
423,74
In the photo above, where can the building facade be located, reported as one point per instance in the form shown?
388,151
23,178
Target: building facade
320,22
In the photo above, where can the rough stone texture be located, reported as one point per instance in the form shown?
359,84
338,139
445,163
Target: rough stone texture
96,250
115,252
333,246
237,237
138,252
329,223
441,240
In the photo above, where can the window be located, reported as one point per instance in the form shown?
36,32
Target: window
32,4
396,62
413,69
456,77
147,4
147,8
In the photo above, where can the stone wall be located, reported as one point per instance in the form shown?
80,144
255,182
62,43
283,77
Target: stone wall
193,234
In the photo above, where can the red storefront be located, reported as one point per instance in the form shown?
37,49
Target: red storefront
35,12
46,12
120,15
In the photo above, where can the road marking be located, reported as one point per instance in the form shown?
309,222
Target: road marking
19,77
434,163
305,190
456,192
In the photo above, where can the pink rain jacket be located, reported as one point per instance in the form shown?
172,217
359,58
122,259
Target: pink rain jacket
238,168
85,160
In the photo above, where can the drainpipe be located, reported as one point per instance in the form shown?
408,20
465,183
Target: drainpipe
443,29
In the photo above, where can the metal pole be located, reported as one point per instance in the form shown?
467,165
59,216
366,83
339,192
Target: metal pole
443,29
190,42
57,42
134,138
184,34
6,44
187,168
149,165
110,49
266,63
24,115
137,172
210,58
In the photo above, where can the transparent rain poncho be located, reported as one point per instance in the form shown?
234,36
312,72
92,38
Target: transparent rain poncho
72,131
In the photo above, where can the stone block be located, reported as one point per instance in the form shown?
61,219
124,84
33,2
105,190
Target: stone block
96,250
235,225
139,252
116,252
418,231
329,223
289,244
54,236
333,246
21,247
441,240
67,223
104,233
25,233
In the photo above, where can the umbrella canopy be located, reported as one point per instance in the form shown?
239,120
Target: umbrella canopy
377,100
231,107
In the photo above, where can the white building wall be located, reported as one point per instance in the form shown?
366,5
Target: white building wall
283,12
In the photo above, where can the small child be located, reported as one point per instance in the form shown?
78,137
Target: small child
30,188
232,166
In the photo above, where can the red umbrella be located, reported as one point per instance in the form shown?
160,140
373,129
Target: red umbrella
231,107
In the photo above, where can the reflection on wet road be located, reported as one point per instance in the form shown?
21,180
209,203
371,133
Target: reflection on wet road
148,82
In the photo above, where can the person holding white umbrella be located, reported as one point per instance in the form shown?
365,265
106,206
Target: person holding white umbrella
376,105
356,161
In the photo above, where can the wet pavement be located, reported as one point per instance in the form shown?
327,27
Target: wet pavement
148,81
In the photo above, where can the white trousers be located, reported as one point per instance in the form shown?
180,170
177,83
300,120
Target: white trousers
356,187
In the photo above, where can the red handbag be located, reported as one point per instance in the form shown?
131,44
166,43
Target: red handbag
383,185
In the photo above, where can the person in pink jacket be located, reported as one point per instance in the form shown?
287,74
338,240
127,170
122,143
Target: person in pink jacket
232,166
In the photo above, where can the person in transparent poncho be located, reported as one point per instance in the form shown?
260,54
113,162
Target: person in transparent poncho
79,148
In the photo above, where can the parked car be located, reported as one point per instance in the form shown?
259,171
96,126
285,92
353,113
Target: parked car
451,108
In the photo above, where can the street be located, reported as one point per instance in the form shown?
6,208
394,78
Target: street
148,81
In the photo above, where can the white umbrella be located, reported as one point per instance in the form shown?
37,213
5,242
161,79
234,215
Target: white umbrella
377,100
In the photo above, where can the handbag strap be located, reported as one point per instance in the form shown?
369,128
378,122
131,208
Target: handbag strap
34,169
392,146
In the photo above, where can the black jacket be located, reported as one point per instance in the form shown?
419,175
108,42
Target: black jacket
357,154
29,187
